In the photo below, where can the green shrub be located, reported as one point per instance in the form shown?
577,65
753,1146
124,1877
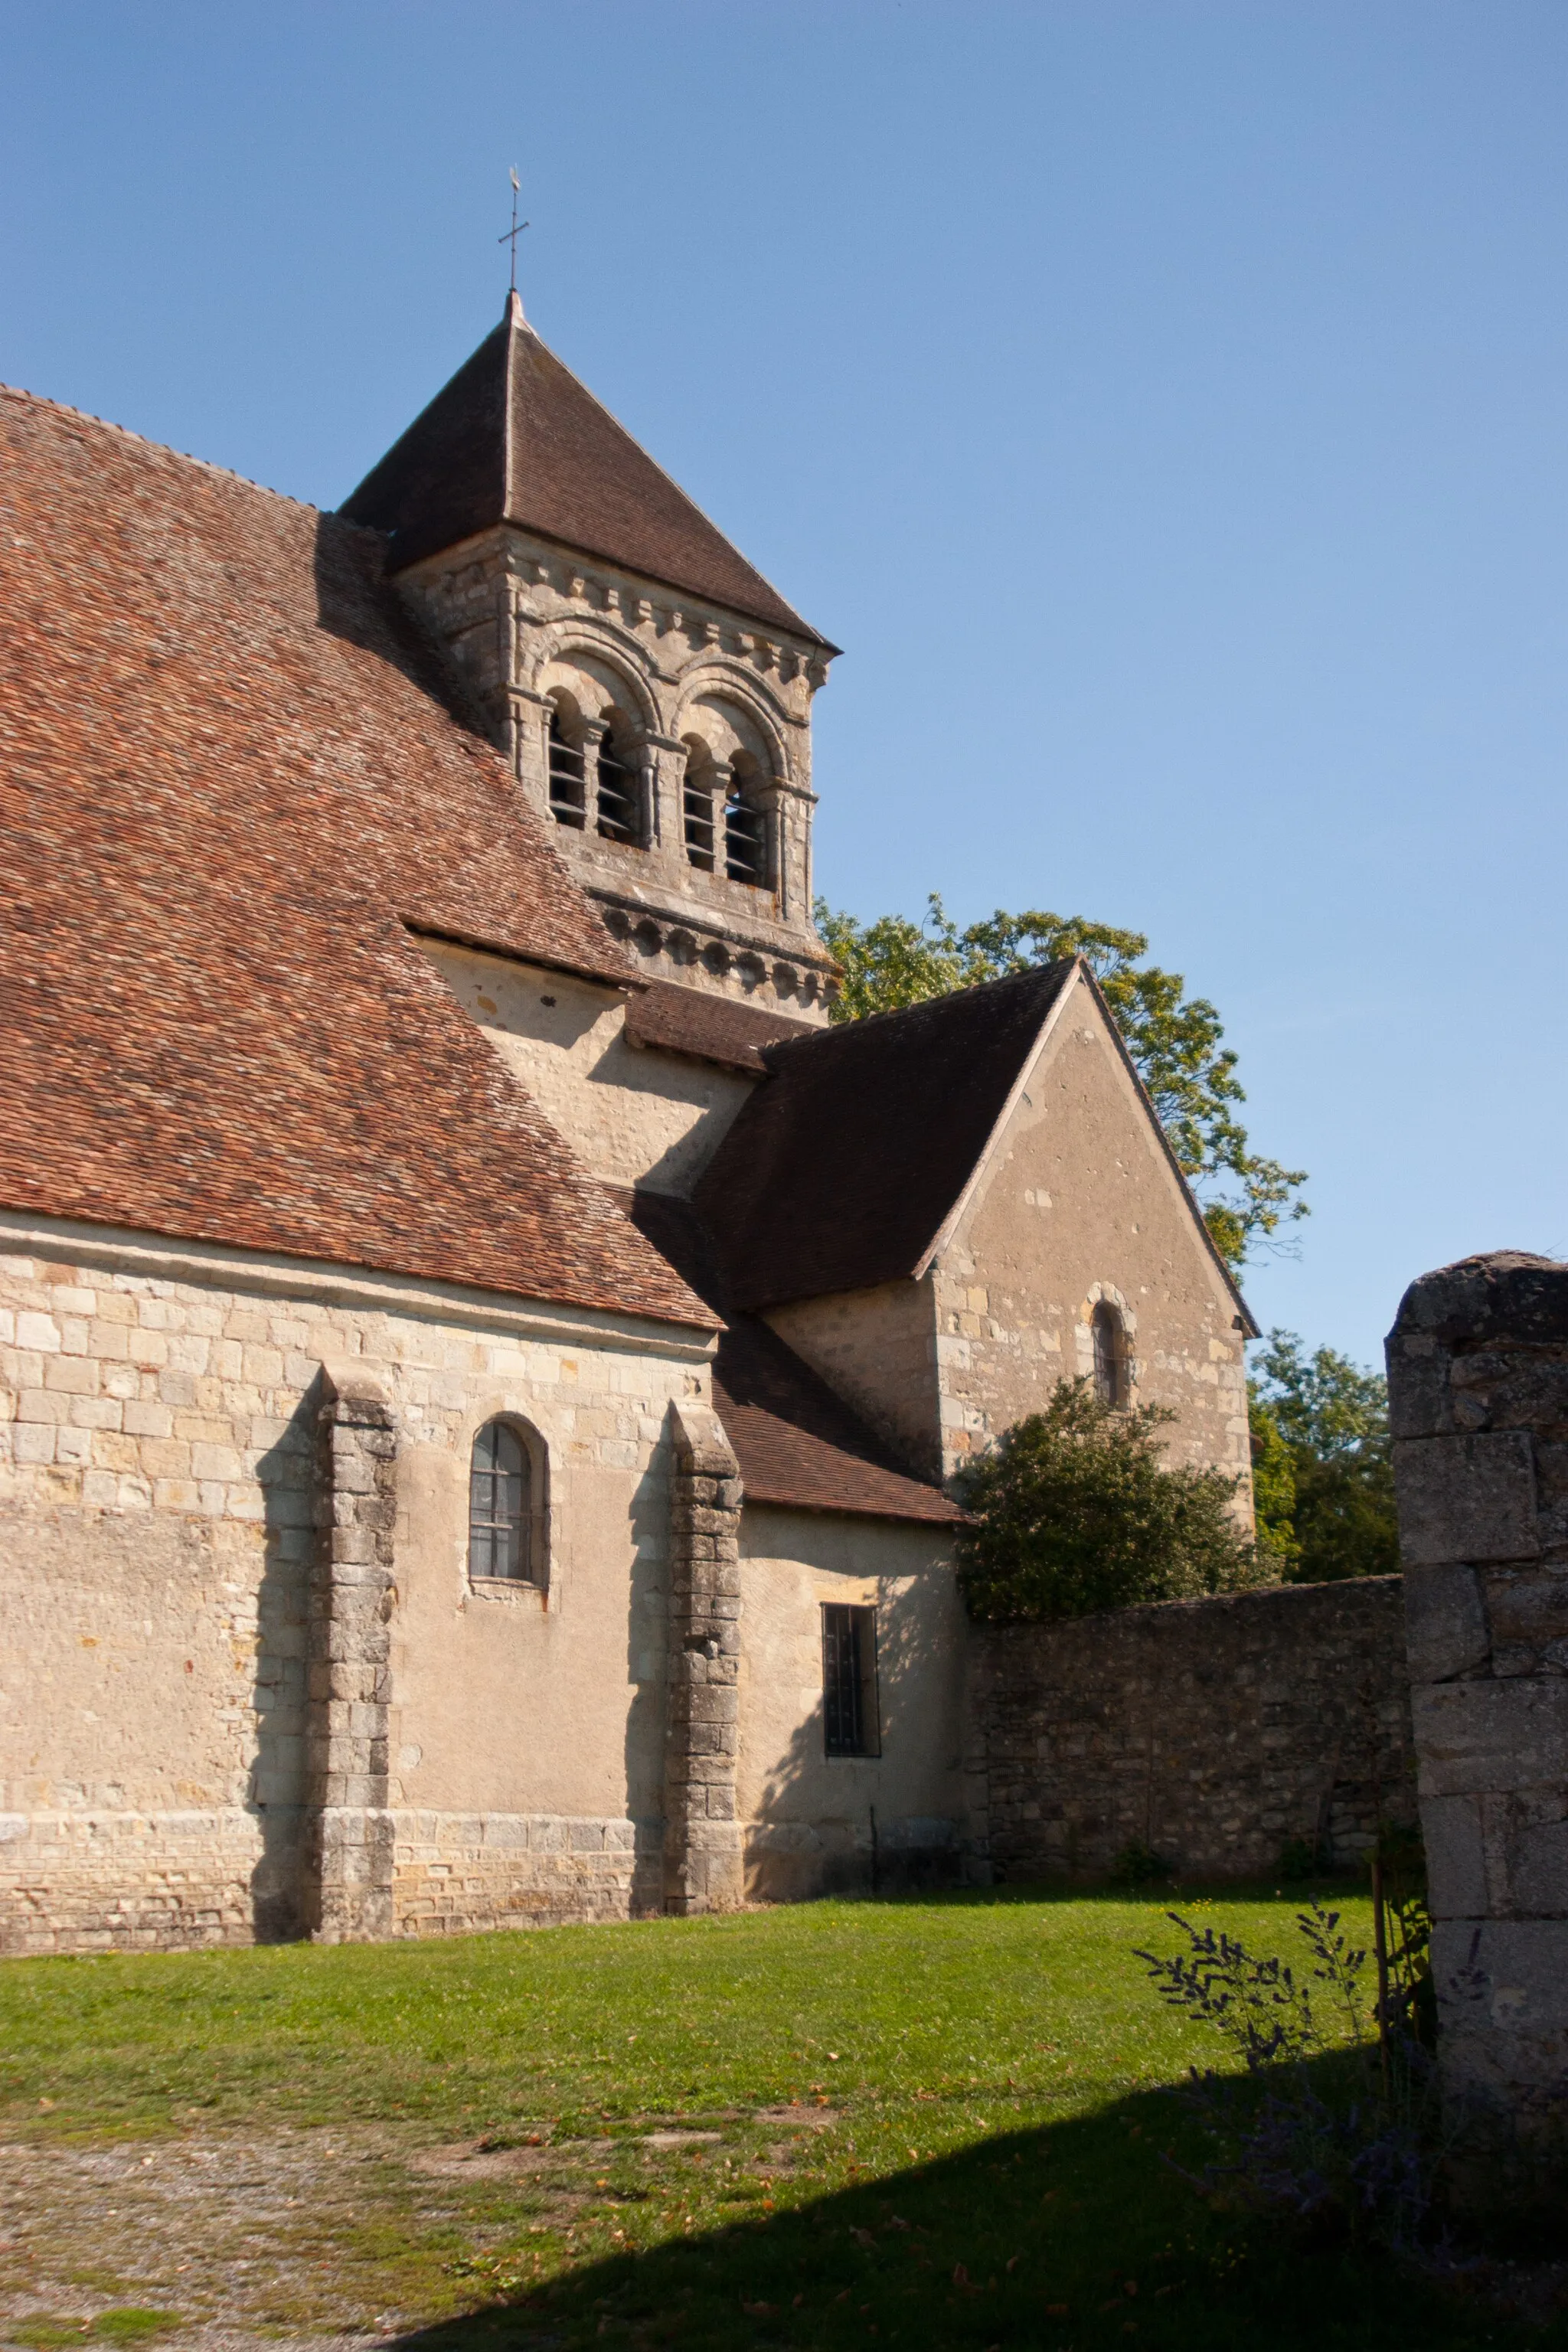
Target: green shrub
1074,1511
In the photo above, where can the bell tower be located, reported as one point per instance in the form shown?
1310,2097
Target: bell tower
652,690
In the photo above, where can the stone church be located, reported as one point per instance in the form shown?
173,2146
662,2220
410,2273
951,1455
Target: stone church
482,1358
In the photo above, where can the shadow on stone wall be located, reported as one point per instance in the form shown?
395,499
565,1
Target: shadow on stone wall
287,1473
837,1825
647,1637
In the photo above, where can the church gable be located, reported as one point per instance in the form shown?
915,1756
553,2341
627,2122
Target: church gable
1077,1252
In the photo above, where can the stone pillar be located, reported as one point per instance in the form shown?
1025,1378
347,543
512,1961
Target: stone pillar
662,762
703,1865
1478,1379
350,1847
528,724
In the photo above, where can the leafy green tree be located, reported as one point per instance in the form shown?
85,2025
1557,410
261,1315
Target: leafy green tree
1174,1040
1073,1511
1325,1509
1273,1491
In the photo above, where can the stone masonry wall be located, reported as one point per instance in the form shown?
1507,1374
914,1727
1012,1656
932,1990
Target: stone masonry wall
1478,1379
215,1728
1213,1732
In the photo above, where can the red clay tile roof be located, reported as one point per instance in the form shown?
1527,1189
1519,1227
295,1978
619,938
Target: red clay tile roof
225,786
514,438
709,1028
843,1164
798,1444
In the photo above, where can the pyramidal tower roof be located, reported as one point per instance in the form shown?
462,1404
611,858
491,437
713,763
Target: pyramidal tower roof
514,438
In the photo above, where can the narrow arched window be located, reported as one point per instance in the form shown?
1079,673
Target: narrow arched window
1111,1381
500,1499
568,776
617,796
746,838
696,805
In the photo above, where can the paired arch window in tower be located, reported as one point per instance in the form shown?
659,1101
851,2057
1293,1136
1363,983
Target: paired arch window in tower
725,831
505,1520
593,782
1113,1371
594,785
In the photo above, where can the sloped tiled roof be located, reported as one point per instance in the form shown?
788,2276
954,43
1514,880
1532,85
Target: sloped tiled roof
226,787
514,438
709,1028
843,1163
798,1444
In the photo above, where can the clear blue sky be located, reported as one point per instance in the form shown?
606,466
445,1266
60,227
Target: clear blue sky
1164,402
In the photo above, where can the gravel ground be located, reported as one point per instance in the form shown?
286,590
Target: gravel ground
335,2239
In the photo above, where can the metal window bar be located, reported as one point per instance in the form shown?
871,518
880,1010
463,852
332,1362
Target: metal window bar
568,778
697,807
746,842
850,1726
1109,1357
619,796
498,1498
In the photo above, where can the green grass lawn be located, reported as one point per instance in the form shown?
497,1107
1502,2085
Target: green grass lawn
995,2070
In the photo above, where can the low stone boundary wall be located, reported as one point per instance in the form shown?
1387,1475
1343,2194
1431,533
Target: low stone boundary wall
1211,1732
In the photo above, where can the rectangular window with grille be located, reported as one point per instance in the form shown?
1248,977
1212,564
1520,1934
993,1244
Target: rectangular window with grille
849,1681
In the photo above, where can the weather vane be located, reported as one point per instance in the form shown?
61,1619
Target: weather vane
510,235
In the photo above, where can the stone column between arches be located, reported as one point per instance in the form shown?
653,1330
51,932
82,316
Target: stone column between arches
702,1856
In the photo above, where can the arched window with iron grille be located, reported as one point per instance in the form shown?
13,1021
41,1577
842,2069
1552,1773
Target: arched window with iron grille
696,804
568,776
1111,1382
500,1506
745,838
619,795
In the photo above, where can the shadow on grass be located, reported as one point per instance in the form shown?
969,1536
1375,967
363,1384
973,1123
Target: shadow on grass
1072,2235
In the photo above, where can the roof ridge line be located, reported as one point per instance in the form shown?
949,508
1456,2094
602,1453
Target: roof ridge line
163,449
943,996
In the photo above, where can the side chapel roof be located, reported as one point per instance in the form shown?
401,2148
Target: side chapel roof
514,438
228,788
844,1165
797,1442
841,1167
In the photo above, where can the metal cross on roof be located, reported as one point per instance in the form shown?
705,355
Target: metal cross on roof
510,235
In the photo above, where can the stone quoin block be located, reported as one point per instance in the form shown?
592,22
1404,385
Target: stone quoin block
1445,1623
1466,1498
